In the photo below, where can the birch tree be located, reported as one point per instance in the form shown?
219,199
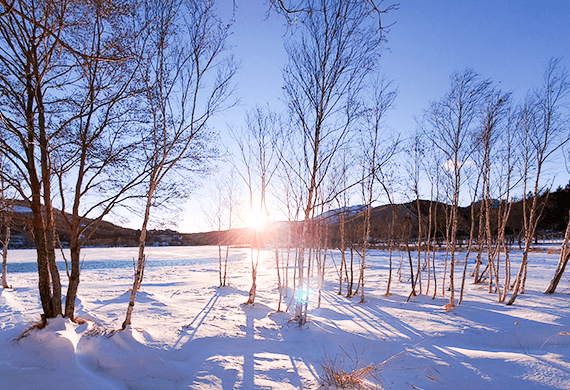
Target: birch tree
258,147
415,155
562,262
378,147
230,205
494,119
564,250
341,175
291,200
59,62
186,78
6,213
544,130
452,125
34,61
330,54
94,163
221,215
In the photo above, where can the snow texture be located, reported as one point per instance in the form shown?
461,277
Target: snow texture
189,334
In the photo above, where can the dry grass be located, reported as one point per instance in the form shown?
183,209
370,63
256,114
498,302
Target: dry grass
361,377
38,325
93,330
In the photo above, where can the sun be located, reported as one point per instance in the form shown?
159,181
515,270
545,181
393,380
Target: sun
255,219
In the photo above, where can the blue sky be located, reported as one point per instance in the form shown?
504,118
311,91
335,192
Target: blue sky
507,41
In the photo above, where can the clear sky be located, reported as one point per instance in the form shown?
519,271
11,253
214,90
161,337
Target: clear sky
507,41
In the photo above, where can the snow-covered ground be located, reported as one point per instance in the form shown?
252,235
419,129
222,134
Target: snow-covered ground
189,334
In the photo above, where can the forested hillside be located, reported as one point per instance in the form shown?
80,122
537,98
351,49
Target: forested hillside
551,225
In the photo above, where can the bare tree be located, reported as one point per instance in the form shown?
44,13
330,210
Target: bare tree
258,146
474,181
72,54
544,131
564,251
187,81
6,214
452,121
295,11
231,203
221,216
33,65
94,163
506,181
386,178
377,147
432,169
340,176
291,199
415,156
493,119
562,262
330,55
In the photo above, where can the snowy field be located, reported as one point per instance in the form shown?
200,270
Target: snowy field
189,334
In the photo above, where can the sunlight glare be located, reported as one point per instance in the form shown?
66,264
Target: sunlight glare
255,219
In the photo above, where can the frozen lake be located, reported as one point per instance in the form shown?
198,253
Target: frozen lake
24,260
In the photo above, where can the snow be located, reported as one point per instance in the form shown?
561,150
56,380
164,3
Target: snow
22,209
189,334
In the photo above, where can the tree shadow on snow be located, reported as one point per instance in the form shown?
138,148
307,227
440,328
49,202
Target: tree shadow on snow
270,351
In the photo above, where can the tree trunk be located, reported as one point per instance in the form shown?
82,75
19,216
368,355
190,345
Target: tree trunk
287,265
453,243
507,273
50,306
434,252
350,281
361,281
365,241
413,293
469,246
491,252
220,261
564,257
480,239
278,276
342,250
530,229
75,249
427,252
391,249
253,289
295,270
447,248
322,264
5,243
225,280
141,261
6,213
419,270
46,170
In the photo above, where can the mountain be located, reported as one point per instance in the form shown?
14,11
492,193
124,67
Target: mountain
399,221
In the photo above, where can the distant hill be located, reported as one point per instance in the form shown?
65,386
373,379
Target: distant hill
405,226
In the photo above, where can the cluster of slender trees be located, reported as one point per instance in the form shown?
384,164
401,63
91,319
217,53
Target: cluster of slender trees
107,104
334,94
475,145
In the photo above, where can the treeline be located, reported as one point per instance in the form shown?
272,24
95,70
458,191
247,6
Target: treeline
551,225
